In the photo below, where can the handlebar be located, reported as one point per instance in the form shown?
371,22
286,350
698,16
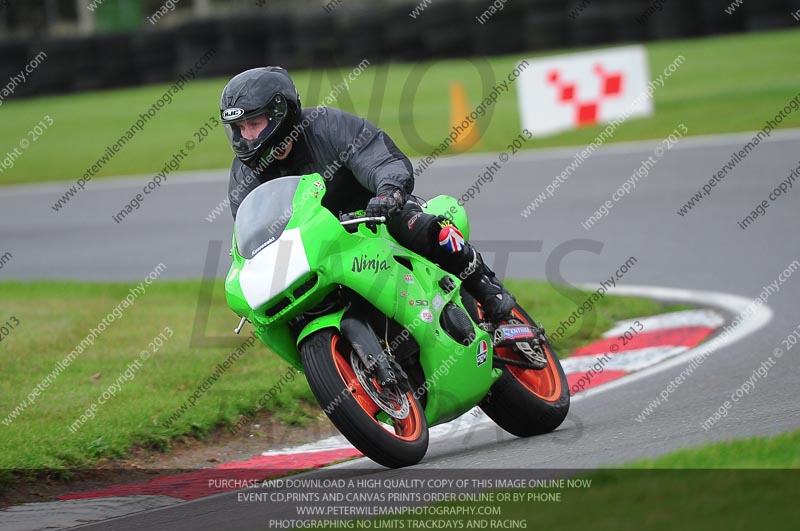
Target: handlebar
351,219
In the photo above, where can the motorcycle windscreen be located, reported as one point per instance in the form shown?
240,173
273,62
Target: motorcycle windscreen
263,215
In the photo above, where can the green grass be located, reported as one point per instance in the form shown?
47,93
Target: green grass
742,484
781,451
671,499
727,84
688,489
55,316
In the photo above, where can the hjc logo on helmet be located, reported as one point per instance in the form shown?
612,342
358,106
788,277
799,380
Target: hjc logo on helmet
232,114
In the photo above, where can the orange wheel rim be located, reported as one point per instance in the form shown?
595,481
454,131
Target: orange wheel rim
544,383
407,429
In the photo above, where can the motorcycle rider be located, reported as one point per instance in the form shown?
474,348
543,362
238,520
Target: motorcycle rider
273,136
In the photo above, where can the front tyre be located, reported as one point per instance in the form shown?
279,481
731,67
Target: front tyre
527,402
386,425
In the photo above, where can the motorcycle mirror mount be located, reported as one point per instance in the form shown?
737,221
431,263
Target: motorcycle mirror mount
241,325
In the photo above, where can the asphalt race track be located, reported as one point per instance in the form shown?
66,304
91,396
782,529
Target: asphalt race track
704,250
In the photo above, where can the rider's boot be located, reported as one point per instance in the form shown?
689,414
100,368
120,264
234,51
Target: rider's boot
481,282
497,303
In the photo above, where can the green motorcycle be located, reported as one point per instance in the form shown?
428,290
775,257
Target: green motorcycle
389,342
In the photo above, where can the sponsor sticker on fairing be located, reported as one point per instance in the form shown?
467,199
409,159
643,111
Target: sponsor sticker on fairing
483,352
427,316
519,332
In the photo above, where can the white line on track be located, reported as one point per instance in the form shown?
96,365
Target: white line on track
734,304
470,159
621,148
680,319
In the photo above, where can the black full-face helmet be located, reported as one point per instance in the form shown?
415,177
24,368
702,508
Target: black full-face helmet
267,92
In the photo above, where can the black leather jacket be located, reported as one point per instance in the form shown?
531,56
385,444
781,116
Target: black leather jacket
355,157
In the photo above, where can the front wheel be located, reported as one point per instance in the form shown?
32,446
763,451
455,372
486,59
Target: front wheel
386,424
527,402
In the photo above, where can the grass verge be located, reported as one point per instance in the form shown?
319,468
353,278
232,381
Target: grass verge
724,485
739,484
54,317
727,84
776,452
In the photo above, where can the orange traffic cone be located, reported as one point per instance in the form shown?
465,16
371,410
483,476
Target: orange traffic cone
459,112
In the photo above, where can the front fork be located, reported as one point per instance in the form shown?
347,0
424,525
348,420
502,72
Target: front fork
358,331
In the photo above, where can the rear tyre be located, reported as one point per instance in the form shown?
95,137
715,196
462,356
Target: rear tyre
526,402
350,398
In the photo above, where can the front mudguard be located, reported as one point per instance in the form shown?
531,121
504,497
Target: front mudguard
331,320
356,329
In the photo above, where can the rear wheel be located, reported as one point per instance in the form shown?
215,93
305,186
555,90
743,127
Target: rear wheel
386,424
524,401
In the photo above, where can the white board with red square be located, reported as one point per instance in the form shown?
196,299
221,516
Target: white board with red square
564,92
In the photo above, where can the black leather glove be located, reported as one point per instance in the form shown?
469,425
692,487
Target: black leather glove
388,203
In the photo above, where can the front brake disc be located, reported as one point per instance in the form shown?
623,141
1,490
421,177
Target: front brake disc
391,400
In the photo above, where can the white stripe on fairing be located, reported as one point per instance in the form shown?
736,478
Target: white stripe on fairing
71,513
269,272
707,318
626,360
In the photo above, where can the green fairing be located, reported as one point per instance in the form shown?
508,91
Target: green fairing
372,264
449,207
